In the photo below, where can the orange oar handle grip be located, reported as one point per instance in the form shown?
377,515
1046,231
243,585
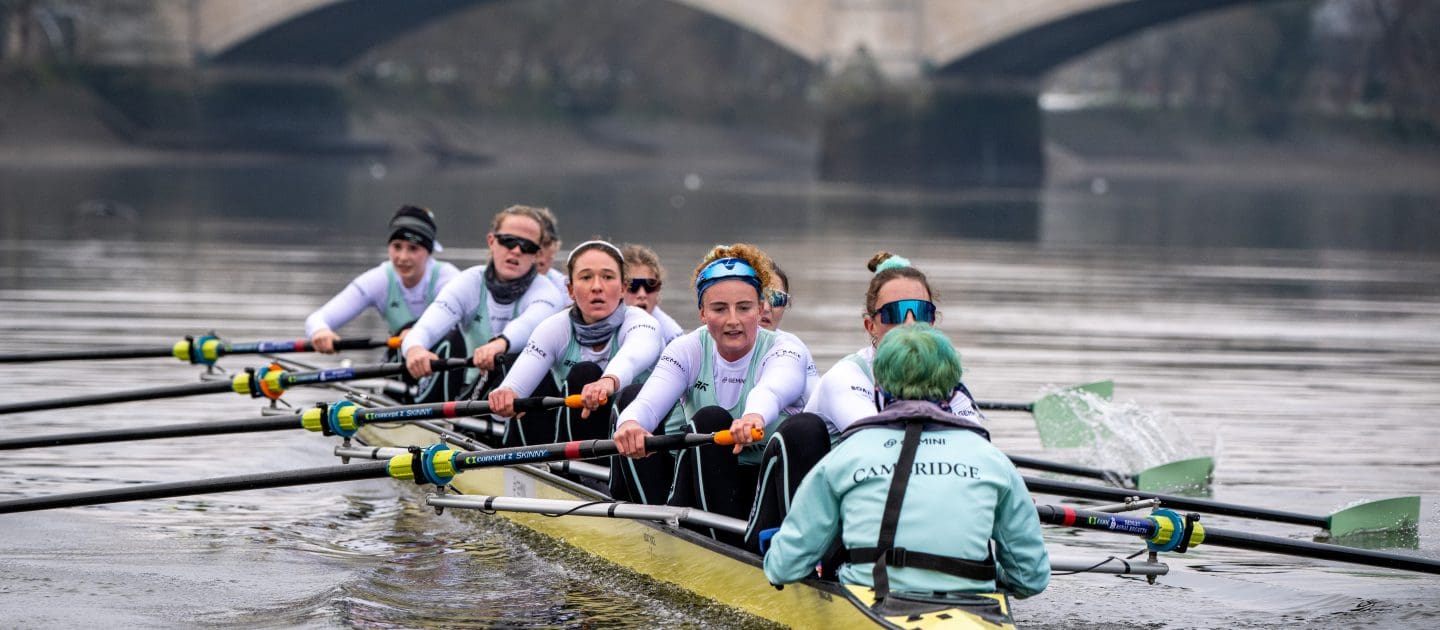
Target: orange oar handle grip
573,401
724,438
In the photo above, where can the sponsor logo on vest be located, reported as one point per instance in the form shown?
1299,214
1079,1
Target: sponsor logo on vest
921,469
701,386
924,440
733,379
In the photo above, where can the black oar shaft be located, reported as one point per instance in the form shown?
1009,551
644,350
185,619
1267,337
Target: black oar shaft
1111,476
173,391
349,472
1083,491
1005,406
219,427
584,449
1145,527
133,352
1305,548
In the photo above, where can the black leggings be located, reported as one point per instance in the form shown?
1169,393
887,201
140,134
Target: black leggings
713,479
563,424
797,445
644,480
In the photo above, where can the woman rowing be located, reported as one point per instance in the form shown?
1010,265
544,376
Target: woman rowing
898,293
727,374
399,288
643,289
594,348
946,492
496,305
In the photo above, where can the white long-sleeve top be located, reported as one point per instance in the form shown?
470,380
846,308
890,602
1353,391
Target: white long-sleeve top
670,329
371,289
779,380
637,348
459,300
557,278
846,393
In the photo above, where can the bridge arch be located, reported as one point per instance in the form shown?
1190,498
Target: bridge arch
334,33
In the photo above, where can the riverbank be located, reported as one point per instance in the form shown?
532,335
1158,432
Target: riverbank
65,125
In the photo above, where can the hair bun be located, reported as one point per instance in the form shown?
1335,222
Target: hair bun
885,260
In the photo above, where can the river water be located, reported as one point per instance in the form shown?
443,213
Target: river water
1290,331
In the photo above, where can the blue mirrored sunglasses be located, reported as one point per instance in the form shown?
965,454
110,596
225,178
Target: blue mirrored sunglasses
895,312
779,299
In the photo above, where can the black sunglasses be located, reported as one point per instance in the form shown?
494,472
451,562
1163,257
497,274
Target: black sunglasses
651,285
779,299
510,241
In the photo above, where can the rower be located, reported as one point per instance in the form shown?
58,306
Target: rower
496,305
727,374
777,300
643,288
595,347
947,492
549,248
400,289
898,293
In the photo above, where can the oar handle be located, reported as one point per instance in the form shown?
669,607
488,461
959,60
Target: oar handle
365,343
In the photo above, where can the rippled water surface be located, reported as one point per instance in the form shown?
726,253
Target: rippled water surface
1293,334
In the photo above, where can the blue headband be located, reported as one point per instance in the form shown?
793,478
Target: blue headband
724,269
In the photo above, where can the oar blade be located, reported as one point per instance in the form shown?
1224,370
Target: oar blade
1058,416
1398,514
1187,477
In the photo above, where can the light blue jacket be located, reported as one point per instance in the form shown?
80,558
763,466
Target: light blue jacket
962,494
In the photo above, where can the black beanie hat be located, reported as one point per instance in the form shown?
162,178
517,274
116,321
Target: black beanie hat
416,225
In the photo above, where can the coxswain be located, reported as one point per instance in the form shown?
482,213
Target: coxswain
917,495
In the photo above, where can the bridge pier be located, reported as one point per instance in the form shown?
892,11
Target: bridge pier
932,132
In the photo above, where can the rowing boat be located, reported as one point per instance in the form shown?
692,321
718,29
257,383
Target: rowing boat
691,561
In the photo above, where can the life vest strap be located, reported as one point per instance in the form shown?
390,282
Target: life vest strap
902,557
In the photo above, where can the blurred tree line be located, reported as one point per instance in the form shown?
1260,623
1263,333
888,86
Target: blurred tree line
1268,67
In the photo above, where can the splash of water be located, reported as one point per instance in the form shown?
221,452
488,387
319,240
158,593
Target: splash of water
1126,435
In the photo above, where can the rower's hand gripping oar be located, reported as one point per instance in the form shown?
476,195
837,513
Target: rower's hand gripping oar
341,418
198,350
268,382
1166,530
436,464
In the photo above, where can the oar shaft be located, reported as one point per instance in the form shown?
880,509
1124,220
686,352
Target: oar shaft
1111,476
173,391
131,352
1146,527
349,472
581,449
219,427
1005,406
1083,491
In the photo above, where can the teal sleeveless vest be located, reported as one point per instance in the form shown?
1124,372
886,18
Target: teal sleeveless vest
397,313
702,393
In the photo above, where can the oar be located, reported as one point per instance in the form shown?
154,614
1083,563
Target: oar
1397,513
265,381
345,420
701,518
1165,531
435,465
201,350
1057,415
1178,476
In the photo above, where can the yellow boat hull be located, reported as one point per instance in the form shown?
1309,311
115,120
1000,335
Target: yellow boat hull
669,554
